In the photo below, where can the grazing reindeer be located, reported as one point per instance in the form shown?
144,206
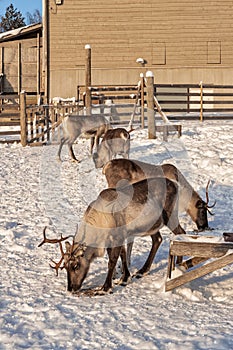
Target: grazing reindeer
120,172
116,215
115,142
75,125
96,134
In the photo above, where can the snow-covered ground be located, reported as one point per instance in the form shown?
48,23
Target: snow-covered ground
36,310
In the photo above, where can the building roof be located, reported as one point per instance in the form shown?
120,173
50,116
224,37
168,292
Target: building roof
15,33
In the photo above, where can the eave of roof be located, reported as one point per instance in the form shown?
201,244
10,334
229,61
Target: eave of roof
14,33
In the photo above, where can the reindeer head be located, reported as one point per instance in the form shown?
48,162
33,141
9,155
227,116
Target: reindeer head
73,260
201,210
76,265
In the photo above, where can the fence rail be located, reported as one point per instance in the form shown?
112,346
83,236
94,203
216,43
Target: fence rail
41,122
195,98
9,118
36,124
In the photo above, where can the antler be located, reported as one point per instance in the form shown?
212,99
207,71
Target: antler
58,264
207,199
53,240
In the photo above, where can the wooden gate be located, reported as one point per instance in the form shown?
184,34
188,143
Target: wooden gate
9,118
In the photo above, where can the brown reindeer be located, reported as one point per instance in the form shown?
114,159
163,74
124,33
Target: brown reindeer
115,142
96,134
120,172
117,215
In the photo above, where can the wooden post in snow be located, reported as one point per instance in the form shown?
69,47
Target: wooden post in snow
201,101
150,105
88,78
23,118
142,100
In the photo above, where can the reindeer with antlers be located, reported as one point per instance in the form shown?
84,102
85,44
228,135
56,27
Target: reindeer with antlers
120,172
115,216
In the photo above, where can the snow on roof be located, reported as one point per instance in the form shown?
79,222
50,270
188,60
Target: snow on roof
15,32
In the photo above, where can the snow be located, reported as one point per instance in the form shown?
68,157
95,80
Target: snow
37,312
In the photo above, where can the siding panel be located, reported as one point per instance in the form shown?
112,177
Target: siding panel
119,31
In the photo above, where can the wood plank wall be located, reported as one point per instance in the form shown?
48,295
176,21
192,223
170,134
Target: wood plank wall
172,33
21,62
182,42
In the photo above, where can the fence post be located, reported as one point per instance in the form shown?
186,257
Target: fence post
23,118
150,105
142,100
201,101
88,78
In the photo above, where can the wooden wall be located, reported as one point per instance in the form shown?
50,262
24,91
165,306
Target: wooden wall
182,41
21,64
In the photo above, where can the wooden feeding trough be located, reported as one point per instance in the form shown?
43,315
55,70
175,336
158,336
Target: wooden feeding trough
205,255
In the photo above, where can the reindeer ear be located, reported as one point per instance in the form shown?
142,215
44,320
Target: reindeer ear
200,204
68,247
79,251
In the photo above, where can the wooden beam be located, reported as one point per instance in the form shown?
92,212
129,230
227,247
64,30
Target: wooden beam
199,272
19,68
200,249
88,77
38,64
23,119
150,105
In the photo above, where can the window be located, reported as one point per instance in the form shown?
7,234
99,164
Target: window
158,53
214,52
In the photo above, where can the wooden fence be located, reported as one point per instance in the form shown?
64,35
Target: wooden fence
39,123
9,118
30,124
36,124
186,101
118,103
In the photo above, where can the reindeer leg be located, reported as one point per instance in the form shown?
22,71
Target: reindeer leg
172,222
125,271
156,241
63,140
72,152
129,251
178,231
113,255
92,144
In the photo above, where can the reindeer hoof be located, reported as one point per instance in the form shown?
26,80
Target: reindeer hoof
92,292
103,292
140,274
123,281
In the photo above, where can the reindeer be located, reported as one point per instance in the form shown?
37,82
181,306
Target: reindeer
75,125
136,210
115,142
120,172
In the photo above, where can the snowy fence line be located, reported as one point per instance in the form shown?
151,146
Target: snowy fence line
36,124
39,122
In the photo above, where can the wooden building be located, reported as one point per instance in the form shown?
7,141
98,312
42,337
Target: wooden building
180,41
21,60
